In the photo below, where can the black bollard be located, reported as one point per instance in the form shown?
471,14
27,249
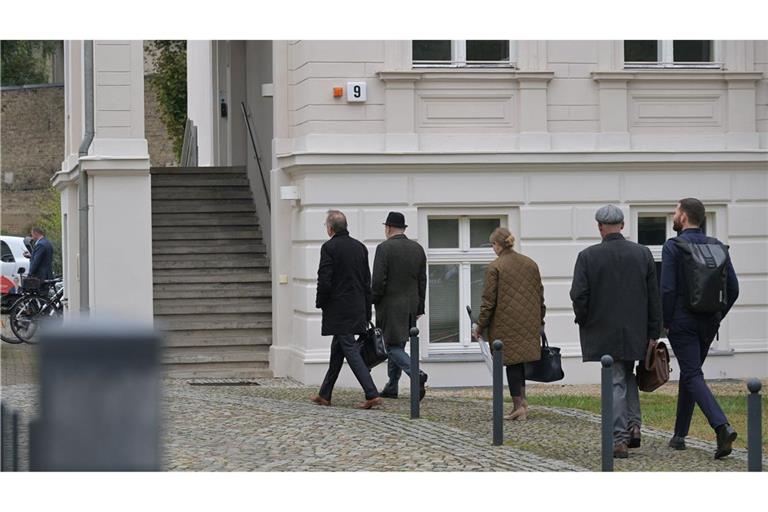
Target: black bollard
498,393
415,374
606,400
15,440
754,427
3,447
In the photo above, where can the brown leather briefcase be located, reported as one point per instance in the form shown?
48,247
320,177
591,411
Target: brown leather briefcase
653,371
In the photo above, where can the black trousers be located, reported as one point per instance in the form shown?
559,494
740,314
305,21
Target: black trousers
344,346
516,378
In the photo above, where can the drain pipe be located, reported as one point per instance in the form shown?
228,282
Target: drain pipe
82,189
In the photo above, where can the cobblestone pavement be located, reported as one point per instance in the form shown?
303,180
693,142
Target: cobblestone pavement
274,427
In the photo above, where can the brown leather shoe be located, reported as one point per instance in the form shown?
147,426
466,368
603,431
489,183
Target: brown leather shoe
634,437
373,402
320,400
620,451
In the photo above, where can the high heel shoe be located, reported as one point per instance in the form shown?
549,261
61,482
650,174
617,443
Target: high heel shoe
524,411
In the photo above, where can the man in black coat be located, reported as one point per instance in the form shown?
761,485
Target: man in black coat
399,291
617,304
344,295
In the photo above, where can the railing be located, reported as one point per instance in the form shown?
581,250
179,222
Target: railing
247,120
189,146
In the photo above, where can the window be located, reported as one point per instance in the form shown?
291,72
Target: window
7,255
480,53
670,54
458,252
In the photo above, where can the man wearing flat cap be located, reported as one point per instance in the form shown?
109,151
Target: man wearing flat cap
399,285
617,304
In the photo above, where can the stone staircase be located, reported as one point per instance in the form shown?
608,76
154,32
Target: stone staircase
212,285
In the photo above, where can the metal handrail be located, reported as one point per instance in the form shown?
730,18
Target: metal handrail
247,120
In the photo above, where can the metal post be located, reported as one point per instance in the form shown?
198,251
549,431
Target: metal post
606,400
498,393
754,433
3,447
415,374
15,440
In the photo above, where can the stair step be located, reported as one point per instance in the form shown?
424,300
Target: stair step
190,233
235,205
238,169
181,355
231,337
209,276
199,180
255,370
228,262
209,219
166,307
213,322
208,247
212,290
190,193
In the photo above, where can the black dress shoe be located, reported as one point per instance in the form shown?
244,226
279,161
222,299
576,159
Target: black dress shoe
726,435
387,394
620,451
678,443
634,437
422,381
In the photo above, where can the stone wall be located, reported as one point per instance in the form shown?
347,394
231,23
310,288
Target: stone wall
32,137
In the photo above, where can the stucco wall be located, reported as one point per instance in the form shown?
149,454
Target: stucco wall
32,129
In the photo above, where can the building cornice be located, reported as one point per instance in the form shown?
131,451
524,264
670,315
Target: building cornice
563,160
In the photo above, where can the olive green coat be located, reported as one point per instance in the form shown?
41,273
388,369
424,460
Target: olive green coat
512,308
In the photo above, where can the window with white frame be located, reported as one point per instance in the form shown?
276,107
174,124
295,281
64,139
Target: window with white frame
458,252
670,54
463,53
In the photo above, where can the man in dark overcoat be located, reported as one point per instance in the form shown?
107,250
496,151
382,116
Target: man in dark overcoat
344,295
399,291
616,299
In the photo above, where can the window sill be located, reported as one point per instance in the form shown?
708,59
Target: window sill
674,74
464,73
459,357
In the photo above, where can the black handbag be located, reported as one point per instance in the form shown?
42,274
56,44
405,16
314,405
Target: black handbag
372,347
547,369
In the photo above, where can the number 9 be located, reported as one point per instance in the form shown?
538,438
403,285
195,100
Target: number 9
356,91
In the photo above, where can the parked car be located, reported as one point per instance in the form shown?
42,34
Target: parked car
15,255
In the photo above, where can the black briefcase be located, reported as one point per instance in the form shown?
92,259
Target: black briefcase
372,347
547,369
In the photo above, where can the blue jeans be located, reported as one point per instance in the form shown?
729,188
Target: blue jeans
397,363
690,339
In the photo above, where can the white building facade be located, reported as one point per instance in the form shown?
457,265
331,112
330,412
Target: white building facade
463,136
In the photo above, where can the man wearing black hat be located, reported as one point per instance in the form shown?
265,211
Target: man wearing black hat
399,284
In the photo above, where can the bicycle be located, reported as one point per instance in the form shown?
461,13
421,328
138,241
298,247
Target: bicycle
34,306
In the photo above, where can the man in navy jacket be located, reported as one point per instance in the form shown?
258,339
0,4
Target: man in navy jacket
691,334
41,265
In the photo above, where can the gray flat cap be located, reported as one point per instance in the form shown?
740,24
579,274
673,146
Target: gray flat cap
609,214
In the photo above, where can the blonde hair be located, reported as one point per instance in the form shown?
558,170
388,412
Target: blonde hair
503,237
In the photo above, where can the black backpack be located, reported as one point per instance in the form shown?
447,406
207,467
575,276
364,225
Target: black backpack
705,269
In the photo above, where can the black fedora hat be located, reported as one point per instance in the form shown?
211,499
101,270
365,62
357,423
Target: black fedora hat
396,220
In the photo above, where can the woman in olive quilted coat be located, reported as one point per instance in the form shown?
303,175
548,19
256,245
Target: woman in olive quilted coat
512,311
